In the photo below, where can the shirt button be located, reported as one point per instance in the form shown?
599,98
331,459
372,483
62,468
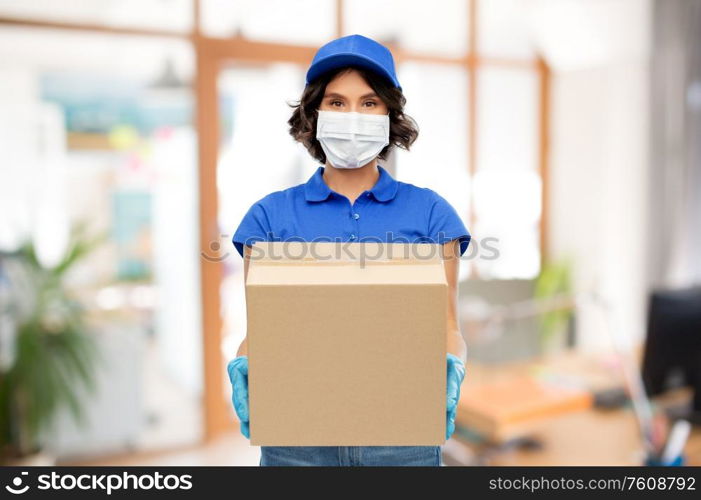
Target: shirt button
356,216
367,194
352,236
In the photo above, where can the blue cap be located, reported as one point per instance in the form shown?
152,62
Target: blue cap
355,50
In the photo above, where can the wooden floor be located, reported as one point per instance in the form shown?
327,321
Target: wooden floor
230,449
583,438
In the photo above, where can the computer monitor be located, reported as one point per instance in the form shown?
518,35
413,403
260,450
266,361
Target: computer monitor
672,355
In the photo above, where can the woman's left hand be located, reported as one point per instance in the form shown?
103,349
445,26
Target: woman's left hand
456,374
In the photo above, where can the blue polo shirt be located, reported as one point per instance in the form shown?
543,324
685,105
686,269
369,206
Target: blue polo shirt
391,211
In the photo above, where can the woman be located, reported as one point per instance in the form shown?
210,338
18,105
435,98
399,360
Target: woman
352,92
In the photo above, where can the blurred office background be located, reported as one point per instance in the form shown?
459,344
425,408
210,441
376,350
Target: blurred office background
565,132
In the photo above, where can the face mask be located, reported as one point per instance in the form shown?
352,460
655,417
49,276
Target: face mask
351,139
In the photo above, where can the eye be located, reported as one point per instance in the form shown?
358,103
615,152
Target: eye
371,102
334,102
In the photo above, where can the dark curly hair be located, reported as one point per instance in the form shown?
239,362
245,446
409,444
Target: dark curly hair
403,129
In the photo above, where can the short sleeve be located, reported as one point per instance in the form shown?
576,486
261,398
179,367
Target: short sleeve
255,226
446,225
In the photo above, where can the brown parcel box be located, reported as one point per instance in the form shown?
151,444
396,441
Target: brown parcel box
346,350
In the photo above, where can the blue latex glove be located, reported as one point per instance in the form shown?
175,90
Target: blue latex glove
456,374
238,375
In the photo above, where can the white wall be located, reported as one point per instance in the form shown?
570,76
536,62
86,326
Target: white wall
599,158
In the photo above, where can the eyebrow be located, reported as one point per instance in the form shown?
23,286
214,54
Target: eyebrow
334,94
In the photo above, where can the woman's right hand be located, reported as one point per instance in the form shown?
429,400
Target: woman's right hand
238,375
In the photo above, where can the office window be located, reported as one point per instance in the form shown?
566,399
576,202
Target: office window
302,22
507,117
171,15
507,184
437,100
504,29
411,20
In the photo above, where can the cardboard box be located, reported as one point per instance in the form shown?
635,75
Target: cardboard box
346,344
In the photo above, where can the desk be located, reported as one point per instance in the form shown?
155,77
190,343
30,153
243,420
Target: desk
584,437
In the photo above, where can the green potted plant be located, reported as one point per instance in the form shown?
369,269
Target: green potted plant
554,282
53,352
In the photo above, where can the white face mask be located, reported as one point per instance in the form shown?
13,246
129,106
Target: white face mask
351,139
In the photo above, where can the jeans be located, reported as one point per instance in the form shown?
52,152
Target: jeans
350,456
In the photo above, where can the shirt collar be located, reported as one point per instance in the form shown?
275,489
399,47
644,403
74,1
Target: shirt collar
317,190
